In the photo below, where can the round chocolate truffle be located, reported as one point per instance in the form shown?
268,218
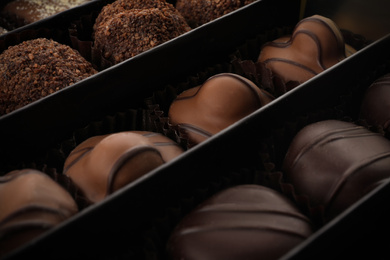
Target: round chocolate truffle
198,12
125,34
223,99
316,44
36,68
30,204
103,164
120,6
375,107
243,222
335,163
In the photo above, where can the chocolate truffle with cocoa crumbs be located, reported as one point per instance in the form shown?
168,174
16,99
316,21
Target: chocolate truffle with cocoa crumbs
198,12
36,68
125,34
124,5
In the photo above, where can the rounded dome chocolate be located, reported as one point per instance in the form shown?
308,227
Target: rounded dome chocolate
103,164
335,163
242,222
37,68
220,101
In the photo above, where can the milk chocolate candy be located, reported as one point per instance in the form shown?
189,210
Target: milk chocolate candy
223,99
103,164
243,222
335,163
316,44
31,203
375,107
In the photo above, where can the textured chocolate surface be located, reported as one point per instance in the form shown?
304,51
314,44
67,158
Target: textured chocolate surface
30,204
36,68
198,12
375,107
22,12
316,44
222,100
103,164
123,31
243,222
335,163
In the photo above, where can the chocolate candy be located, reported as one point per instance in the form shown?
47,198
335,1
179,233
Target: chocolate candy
198,12
336,163
103,164
243,222
131,31
316,44
375,107
223,99
30,204
37,68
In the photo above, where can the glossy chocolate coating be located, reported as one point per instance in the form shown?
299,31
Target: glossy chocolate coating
243,222
375,107
316,44
30,204
335,163
103,164
222,100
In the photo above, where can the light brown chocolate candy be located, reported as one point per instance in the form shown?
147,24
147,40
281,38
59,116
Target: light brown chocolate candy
316,44
222,100
30,204
103,164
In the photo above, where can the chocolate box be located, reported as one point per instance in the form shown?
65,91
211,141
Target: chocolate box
136,221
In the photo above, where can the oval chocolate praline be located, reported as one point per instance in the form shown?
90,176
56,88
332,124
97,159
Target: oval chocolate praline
335,163
375,107
31,203
242,222
103,164
222,100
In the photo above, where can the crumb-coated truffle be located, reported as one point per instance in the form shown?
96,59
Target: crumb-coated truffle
335,163
30,204
220,101
198,12
242,222
124,34
103,164
36,68
315,45
120,6
23,12
375,107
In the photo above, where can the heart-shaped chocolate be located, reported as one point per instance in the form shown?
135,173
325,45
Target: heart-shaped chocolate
223,99
316,44
103,164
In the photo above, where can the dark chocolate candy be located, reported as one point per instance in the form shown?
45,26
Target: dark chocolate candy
30,204
336,163
316,44
103,164
243,222
222,100
375,107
